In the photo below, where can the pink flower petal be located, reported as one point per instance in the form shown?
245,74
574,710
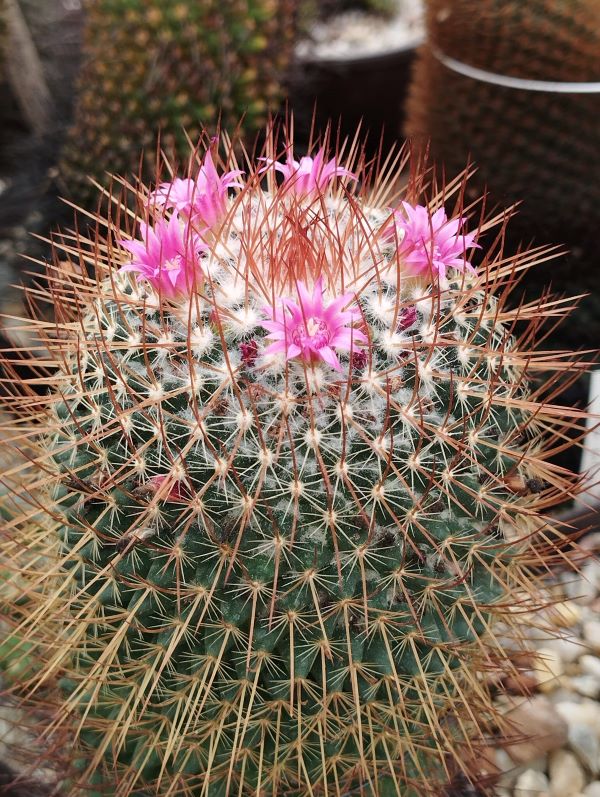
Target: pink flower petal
328,355
168,258
309,175
430,242
202,199
312,330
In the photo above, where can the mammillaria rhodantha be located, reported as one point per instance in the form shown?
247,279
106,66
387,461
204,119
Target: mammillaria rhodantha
274,507
311,330
309,175
430,242
167,257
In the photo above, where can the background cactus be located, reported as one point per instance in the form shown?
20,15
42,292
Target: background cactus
536,148
293,466
172,67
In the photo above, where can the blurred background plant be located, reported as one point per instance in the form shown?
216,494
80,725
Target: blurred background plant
536,145
353,65
91,88
160,72
313,9
169,67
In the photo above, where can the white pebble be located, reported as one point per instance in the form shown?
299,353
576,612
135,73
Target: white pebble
548,667
586,685
584,588
591,634
590,665
531,784
567,778
591,572
565,615
586,745
585,713
568,646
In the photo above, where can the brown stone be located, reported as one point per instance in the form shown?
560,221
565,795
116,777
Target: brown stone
532,728
524,683
483,766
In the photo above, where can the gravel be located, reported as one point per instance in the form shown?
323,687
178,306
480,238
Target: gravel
357,34
555,701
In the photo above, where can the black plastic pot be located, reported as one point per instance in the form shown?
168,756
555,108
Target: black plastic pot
368,90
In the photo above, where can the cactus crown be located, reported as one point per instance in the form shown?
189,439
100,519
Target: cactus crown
290,472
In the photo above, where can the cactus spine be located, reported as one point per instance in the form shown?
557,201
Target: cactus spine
283,485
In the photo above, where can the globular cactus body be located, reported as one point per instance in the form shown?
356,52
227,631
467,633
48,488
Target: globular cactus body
281,485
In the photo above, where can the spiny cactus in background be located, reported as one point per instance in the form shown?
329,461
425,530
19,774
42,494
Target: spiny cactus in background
535,147
293,466
172,67
374,6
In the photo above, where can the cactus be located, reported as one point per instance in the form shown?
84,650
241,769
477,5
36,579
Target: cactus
168,68
537,148
545,162
292,469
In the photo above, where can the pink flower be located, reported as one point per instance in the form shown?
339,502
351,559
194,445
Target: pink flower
167,257
308,174
203,199
310,329
431,242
